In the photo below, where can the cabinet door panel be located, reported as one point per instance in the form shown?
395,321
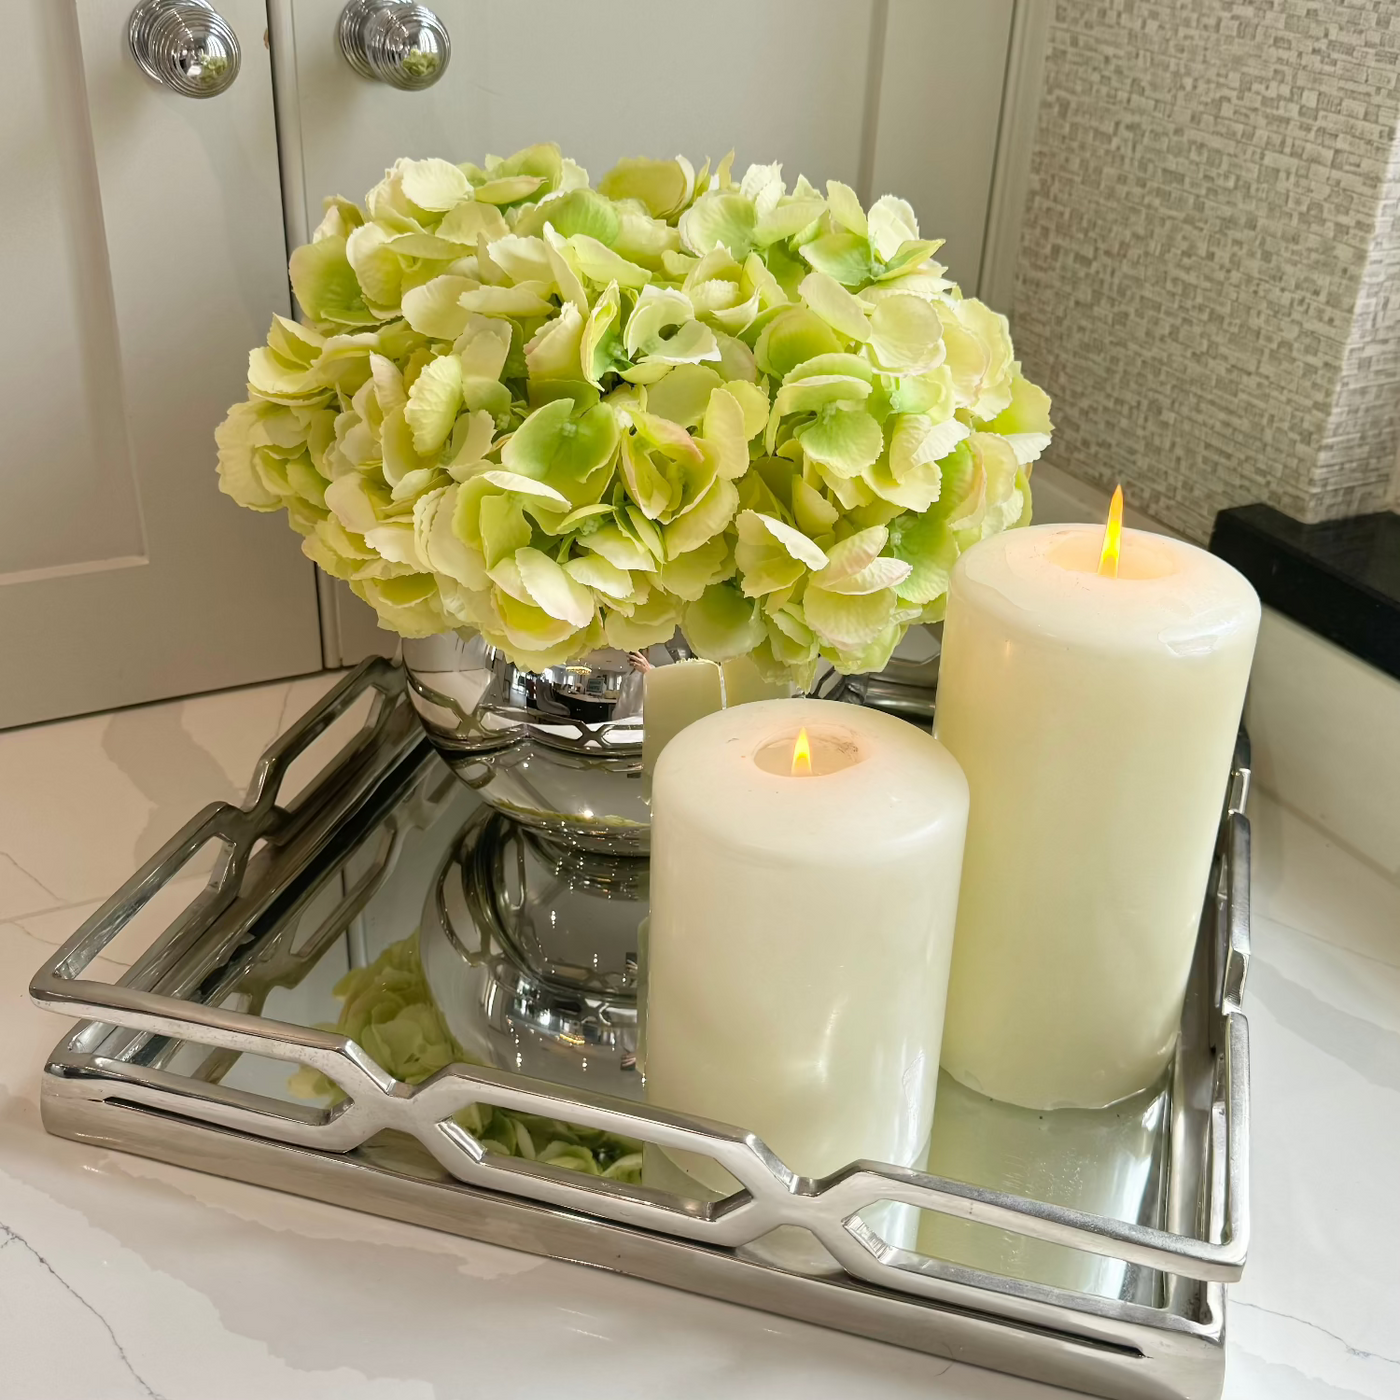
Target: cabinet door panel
900,95
143,253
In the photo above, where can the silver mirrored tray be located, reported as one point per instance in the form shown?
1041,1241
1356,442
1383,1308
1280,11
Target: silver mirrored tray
1088,1250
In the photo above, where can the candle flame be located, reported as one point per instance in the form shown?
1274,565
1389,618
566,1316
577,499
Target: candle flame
1112,536
802,756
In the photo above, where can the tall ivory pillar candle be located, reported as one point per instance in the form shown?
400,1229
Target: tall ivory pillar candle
1095,717
801,928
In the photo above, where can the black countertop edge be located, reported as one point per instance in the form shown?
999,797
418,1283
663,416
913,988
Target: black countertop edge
1340,578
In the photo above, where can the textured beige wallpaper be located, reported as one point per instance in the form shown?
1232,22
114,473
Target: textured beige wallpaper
1209,280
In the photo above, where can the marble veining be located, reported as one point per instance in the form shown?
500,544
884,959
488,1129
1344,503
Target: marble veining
131,1278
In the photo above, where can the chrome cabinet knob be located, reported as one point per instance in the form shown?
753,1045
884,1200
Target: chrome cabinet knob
185,45
396,42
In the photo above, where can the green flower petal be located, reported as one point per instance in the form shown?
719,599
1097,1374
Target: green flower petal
723,624
906,335
819,392
711,514
646,484
509,190
471,221
767,562
527,486
644,240
835,305
753,401
916,490
552,588
763,186
683,395
725,431
873,655
820,366
930,393
913,257
580,211
847,621
389,392
664,187
891,223
439,544
753,525
647,535
793,336
853,554
503,528
433,402
760,279
846,209
1025,422
787,219
719,219
651,622
554,351
528,299
378,269
842,256
555,446
619,549
690,575
995,334
543,160
406,605
355,505
339,220
600,347
325,285
601,264
917,440
879,574
434,184
815,515
273,378
845,440
237,475
522,259
930,549
662,328
593,571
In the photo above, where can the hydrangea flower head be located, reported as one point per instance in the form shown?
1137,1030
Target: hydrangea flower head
568,417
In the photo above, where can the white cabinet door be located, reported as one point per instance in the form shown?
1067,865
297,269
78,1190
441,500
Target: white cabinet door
899,96
142,253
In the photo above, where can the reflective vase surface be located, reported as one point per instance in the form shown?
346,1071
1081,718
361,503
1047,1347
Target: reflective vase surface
561,749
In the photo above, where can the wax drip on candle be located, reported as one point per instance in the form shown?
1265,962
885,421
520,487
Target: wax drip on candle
802,756
1112,536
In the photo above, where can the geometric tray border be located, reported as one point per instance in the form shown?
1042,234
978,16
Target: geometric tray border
1109,1347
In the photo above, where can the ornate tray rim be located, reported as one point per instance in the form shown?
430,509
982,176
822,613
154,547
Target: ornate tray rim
1104,1346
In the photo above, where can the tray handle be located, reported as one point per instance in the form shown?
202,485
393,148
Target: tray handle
56,986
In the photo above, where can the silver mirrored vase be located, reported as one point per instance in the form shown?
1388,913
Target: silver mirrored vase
560,750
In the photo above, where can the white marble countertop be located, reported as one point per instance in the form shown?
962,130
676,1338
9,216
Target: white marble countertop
121,1277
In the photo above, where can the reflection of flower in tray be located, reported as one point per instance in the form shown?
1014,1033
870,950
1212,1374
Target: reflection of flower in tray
388,1011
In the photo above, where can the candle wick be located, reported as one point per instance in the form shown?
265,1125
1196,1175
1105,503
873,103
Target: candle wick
1112,536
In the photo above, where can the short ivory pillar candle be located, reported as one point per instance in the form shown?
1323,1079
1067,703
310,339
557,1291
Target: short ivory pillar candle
1095,717
801,929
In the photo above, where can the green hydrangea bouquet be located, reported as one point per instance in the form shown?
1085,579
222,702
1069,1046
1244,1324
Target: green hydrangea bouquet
569,417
